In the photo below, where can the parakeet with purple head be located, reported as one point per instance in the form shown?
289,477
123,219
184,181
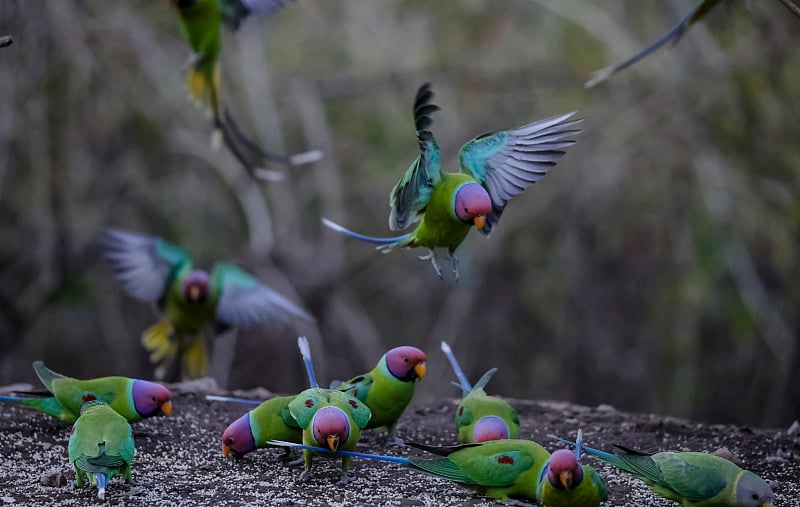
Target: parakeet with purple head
564,482
150,269
495,167
270,420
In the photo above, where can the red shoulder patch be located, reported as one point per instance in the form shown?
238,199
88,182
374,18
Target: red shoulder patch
505,460
309,403
88,397
353,403
461,410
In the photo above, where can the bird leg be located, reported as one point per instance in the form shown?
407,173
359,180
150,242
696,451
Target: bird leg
346,479
454,261
294,462
304,475
432,257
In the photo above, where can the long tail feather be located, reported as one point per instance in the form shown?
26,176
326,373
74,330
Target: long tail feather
379,457
369,239
305,157
46,375
211,397
443,450
481,383
579,445
605,456
101,485
49,406
305,350
462,379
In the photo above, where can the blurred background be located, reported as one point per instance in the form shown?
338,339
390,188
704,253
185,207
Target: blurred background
655,269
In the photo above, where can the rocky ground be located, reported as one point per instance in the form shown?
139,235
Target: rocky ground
178,459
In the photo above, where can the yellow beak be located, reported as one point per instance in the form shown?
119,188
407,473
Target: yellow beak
479,221
225,450
565,478
421,369
333,442
767,504
194,293
166,407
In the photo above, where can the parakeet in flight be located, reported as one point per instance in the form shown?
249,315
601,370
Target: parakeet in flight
270,420
133,399
566,483
388,388
480,417
100,446
495,167
700,9
201,22
150,269
693,479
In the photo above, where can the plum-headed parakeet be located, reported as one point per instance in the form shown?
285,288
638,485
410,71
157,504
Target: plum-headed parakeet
201,22
100,446
133,399
150,269
566,483
495,167
693,479
388,388
270,420
480,417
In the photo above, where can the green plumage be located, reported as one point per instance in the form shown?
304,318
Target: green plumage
591,492
101,443
478,404
272,421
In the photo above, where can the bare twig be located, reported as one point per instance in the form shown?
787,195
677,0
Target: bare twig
793,8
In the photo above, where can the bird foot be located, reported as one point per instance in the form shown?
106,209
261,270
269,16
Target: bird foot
346,479
398,442
432,257
304,475
518,503
295,462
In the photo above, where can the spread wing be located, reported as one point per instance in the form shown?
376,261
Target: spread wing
412,193
246,302
234,11
508,162
144,265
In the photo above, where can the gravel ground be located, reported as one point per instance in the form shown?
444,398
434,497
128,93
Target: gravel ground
179,462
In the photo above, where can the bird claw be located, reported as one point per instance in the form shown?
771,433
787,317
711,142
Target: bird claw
304,475
399,442
432,257
346,479
295,462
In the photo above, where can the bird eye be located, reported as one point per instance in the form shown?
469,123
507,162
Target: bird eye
153,398
405,359
466,210
755,496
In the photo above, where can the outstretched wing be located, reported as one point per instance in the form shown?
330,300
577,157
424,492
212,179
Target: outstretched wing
234,11
508,162
412,193
246,302
144,265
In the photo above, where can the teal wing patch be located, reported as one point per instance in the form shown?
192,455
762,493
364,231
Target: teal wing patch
357,386
441,467
303,407
599,485
357,409
692,480
497,469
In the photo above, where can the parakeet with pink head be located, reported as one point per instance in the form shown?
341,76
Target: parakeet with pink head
150,269
270,420
564,482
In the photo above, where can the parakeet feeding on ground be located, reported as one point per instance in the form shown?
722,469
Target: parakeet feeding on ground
100,446
693,479
388,388
566,483
480,417
495,167
700,9
271,420
150,269
500,469
201,22
133,399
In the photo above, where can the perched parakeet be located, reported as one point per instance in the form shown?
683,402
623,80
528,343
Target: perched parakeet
201,22
271,420
693,479
697,12
100,446
566,483
480,417
133,399
495,167
388,388
150,269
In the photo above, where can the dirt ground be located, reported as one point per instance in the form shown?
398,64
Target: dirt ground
179,462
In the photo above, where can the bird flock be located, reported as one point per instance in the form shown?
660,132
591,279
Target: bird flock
327,423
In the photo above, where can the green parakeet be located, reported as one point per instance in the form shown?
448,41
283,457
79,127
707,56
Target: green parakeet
150,269
700,9
495,167
271,420
100,446
388,388
565,483
201,22
133,399
480,417
693,479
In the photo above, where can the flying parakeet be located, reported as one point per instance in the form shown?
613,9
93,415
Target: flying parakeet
495,167
693,479
498,468
100,446
133,399
700,9
565,483
200,22
271,420
388,388
150,269
480,417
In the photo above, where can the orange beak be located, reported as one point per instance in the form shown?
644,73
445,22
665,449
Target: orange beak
226,451
767,504
479,221
333,442
565,478
421,369
166,407
194,293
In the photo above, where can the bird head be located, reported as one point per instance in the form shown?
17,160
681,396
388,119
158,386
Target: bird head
490,427
196,286
473,204
406,363
330,427
150,399
564,470
237,439
753,491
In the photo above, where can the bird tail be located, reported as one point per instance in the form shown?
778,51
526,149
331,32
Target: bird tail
442,450
101,485
46,375
305,351
379,457
211,397
49,405
462,379
385,244
602,455
158,341
481,383
579,444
